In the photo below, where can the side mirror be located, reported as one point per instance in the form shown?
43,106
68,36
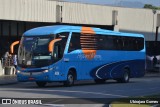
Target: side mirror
12,46
51,45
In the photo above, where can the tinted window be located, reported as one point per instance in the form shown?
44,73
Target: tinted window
109,42
105,42
74,42
62,43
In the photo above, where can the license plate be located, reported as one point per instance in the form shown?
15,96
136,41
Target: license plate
31,78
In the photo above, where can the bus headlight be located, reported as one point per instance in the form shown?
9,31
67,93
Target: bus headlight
50,69
18,71
45,71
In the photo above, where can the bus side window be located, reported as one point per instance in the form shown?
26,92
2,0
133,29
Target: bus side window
120,43
64,37
102,42
115,43
74,42
60,50
137,43
141,43
126,43
57,55
134,44
131,44
110,43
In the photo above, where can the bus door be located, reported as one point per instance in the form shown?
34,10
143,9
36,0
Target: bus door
57,47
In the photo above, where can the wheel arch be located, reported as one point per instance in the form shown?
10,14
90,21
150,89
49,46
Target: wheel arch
74,71
128,69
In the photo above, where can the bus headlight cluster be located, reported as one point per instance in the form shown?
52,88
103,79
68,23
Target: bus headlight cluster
18,71
45,71
53,68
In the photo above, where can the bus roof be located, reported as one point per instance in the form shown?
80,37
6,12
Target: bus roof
47,30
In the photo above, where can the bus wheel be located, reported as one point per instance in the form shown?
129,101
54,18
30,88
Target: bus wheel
70,79
125,78
100,81
41,84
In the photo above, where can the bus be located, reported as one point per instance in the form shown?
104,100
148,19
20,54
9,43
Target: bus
64,53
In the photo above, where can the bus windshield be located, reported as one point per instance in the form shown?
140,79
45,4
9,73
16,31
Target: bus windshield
33,51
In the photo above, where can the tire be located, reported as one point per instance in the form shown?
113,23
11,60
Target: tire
41,84
125,78
70,79
100,81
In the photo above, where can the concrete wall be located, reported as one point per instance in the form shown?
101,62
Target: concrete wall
28,10
86,14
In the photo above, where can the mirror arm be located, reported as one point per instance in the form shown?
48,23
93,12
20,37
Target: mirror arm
51,44
12,46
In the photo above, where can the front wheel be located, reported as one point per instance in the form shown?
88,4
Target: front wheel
70,79
41,84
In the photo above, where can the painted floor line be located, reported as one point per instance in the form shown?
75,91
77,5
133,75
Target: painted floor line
67,91
53,105
139,89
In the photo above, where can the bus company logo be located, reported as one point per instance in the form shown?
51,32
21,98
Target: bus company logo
96,57
89,54
88,42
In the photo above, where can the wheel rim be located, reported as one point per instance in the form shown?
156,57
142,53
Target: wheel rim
70,79
126,77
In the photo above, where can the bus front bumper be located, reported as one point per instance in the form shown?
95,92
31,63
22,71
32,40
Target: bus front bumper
39,76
